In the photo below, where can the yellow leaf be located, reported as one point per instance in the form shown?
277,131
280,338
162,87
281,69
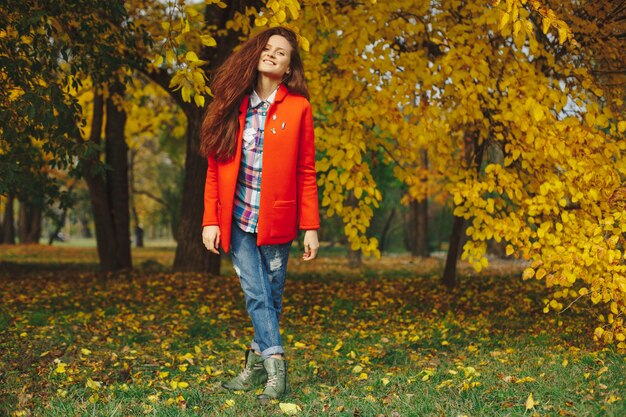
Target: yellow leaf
538,114
530,402
540,273
94,385
60,369
545,24
621,126
338,346
562,34
229,403
304,43
299,345
385,381
191,56
504,19
357,369
199,100
208,40
528,273
289,408
186,93
260,21
170,56
281,16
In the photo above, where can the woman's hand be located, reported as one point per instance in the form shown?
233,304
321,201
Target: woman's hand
311,245
211,238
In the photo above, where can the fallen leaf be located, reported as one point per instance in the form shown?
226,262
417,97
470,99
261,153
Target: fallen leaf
289,408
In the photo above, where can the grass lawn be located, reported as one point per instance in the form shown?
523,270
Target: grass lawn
385,340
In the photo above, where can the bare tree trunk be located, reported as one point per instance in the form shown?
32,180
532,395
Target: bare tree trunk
59,222
8,223
418,228
105,239
386,228
117,177
29,223
354,258
417,233
473,156
449,273
191,255
138,230
85,231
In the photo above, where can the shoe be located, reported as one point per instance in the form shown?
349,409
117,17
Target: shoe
252,375
276,386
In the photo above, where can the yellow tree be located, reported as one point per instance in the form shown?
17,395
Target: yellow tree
519,138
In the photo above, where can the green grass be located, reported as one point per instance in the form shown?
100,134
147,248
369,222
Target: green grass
384,340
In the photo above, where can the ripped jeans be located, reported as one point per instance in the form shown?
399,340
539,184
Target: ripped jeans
261,271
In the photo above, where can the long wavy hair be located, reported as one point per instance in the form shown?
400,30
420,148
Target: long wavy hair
235,79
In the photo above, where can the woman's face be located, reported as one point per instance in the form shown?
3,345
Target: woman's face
275,58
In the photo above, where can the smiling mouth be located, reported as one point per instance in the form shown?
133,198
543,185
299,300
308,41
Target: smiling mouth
268,62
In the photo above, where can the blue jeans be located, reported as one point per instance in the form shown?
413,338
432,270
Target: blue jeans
261,271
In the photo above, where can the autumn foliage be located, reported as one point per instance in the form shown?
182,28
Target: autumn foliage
510,112
521,140
382,340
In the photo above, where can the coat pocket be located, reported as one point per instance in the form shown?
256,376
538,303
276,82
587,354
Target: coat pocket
284,219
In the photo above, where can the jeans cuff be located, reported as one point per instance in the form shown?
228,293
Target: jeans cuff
273,350
255,346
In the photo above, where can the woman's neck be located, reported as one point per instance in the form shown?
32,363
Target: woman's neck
265,86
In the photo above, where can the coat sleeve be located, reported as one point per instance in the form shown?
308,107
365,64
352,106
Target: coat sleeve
211,195
308,210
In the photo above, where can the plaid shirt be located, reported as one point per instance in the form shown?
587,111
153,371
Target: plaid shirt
248,191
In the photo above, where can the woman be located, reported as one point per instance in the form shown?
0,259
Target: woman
261,187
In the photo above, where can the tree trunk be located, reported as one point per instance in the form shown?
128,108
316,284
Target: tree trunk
85,230
191,255
449,273
105,239
418,228
418,218
59,222
386,228
138,230
117,177
8,223
355,258
29,223
473,156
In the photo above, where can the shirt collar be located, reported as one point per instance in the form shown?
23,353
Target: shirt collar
255,100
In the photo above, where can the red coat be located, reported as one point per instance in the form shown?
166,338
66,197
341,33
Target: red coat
288,182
